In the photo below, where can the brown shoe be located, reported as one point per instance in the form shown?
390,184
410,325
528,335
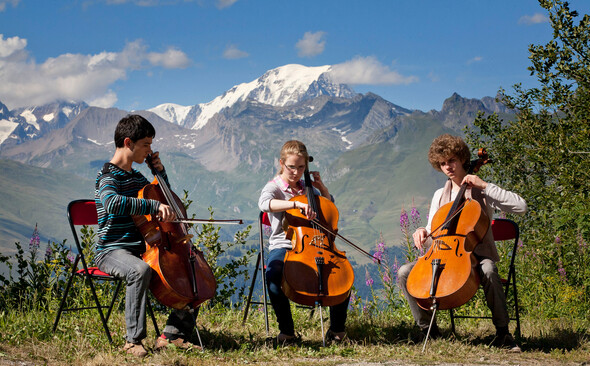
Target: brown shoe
162,343
135,349
285,339
507,342
335,337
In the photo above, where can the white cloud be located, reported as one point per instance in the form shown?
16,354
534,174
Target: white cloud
433,77
104,101
171,59
23,82
11,45
146,2
368,70
3,4
475,59
232,52
533,19
220,4
225,3
312,44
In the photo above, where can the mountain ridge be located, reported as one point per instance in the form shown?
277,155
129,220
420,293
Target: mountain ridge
371,152
279,87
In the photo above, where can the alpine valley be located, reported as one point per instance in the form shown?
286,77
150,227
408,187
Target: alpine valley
371,153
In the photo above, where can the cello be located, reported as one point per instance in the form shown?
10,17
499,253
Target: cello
183,277
445,276
315,271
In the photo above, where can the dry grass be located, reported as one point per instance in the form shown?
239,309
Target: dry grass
388,338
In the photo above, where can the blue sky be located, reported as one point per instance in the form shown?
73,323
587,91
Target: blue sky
136,54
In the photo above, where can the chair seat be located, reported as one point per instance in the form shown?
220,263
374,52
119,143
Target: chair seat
93,271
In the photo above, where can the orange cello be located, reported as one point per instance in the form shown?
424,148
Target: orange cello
315,271
445,277
183,277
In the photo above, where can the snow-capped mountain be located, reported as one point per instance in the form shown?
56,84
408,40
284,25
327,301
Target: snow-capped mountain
27,123
171,112
283,86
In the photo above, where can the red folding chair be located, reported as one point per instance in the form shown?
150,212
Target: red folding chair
504,230
83,212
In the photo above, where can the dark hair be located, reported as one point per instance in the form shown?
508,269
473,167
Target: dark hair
445,147
135,127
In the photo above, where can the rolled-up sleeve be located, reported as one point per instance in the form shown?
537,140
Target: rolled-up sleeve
269,192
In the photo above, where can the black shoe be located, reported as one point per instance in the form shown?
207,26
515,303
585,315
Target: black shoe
434,332
506,341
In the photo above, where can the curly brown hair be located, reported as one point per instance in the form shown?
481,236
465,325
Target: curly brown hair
293,147
445,147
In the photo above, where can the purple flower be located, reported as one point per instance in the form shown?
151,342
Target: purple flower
415,216
394,266
561,271
377,256
403,220
48,252
557,240
352,300
35,240
71,256
386,278
368,279
582,245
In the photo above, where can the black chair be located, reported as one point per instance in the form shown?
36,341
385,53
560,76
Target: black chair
260,266
83,212
503,230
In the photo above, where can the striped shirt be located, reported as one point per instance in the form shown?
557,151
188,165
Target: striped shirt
115,196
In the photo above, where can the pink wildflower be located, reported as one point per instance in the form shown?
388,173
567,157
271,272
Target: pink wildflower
35,240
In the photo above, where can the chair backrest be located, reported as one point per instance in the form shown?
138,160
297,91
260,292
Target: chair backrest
505,229
81,212
264,218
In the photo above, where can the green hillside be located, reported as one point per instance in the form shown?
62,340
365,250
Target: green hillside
383,178
32,195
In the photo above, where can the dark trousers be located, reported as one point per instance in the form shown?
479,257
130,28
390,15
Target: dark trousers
280,302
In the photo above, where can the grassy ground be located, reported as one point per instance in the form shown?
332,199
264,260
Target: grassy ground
26,339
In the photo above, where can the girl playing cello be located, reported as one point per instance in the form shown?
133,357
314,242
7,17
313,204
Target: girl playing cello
450,155
275,200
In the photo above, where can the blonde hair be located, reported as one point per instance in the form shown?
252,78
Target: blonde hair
445,147
293,147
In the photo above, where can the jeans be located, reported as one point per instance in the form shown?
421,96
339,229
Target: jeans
137,274
492,287
280,302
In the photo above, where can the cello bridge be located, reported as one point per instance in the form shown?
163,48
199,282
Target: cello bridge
318,241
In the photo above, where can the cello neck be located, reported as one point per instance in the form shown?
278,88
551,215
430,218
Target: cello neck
165,189
311,197
460,199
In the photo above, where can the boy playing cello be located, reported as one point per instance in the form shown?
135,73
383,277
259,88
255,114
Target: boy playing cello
450,155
